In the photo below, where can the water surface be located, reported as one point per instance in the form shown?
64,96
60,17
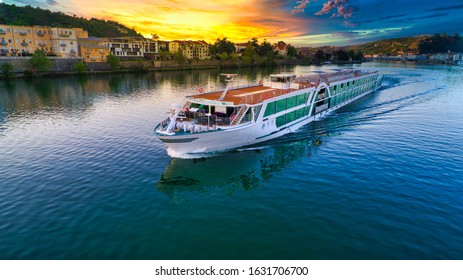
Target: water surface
83,177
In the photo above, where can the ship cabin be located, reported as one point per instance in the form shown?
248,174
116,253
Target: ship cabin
242,104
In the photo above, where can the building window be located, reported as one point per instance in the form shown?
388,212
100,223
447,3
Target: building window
8,29
15,30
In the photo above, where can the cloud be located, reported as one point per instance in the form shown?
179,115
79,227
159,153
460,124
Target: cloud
340,8
52,2
446,8
302,4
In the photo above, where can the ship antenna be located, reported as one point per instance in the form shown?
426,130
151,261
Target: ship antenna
229,79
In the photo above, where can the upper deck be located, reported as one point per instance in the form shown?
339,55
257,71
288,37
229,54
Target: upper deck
277,85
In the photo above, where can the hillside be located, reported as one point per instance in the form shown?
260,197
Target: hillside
15,15
392,46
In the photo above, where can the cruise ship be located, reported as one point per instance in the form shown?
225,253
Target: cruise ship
243,115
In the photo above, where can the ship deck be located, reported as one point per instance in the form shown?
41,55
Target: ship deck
258,93
246,95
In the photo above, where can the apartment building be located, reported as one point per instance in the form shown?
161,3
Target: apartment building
190,49
64,42
6,40
42,39
131,47
93,49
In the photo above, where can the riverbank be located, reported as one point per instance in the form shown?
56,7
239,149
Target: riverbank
67,67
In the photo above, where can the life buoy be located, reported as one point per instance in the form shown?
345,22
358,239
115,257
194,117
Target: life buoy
260,82
265,96
201,90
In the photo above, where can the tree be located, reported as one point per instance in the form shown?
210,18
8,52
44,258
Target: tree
320,56
341,55
292,52
179,57
249,54
81,67
7,69
224,56
113,61
40,61
351,54
221,46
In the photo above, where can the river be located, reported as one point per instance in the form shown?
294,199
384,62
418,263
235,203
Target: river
82,175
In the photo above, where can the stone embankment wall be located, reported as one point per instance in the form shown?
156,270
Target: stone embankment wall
21,64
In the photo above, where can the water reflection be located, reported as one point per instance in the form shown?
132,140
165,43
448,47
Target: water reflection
239,170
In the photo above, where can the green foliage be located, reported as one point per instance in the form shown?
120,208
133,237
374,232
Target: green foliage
113,61
320,56
179,57
234,57
221,46
16,15
292,52
81,67
249,54
224,56
40,61
7,69
341,55
164,54
441,43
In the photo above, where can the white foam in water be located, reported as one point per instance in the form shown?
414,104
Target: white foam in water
174,154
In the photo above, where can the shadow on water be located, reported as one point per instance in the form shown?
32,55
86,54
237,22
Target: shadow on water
245,169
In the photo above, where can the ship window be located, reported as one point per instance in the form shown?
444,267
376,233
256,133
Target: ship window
334,88
307,94
291,102
270,109
280,121
300,99
257,111
299,113
306,111
280,105
290,117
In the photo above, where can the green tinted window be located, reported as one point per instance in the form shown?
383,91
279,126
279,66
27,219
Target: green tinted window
280,105
280,121
300,99
270,109
291,102
299,113
290,117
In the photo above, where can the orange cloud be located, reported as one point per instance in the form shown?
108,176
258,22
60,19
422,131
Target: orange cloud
238,20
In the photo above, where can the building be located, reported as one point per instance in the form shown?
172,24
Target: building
190,49
42,39
64,42
93,49
6,40
281,48
240,47
201,50
132,47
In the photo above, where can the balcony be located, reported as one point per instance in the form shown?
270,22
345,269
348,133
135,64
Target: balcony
24,44
4,43
22,32
63,45
64,35
2,31
3,51
40,33
42,44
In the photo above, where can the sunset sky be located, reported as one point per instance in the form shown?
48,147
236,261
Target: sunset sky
301,23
